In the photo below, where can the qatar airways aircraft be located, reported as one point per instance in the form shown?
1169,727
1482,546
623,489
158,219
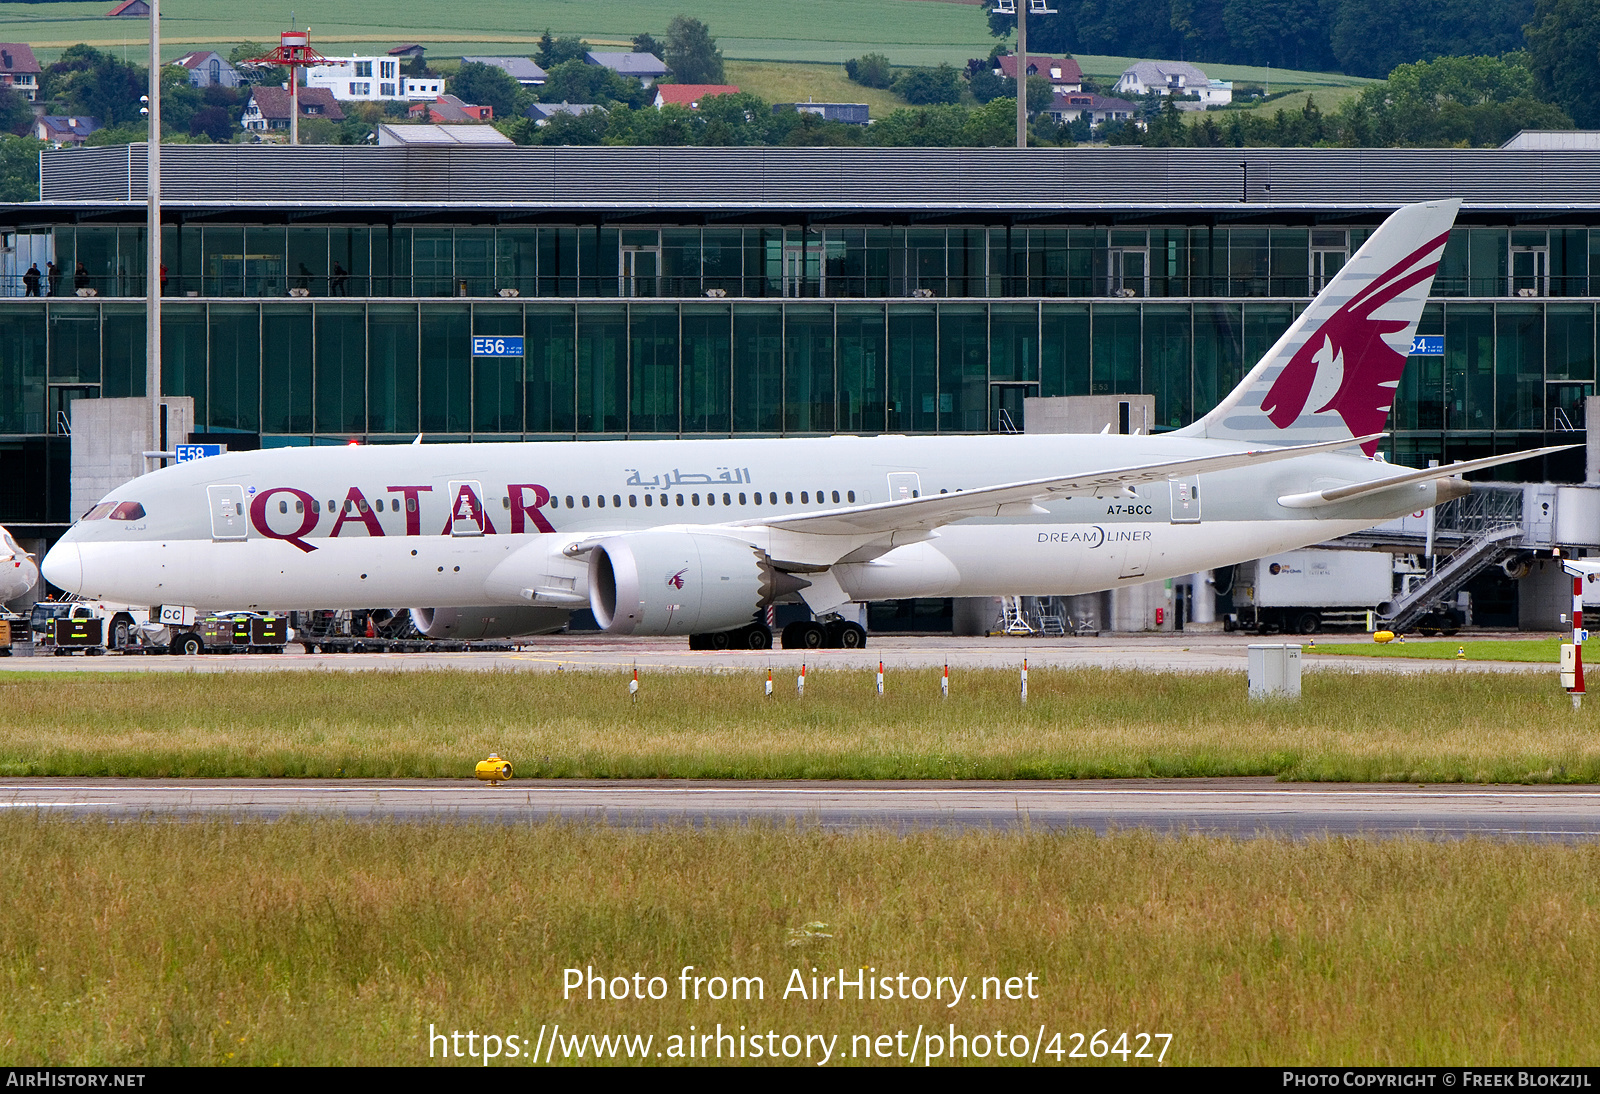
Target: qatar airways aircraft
18,574
697,537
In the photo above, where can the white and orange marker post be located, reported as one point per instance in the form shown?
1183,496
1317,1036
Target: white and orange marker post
880,679
800,682
633,686
769,683
944,682
1024,681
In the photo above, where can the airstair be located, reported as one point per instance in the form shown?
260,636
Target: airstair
1487,549
1014,618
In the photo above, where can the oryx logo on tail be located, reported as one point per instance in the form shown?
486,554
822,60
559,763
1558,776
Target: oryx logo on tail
1346,366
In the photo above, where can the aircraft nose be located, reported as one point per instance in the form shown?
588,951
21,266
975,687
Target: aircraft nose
63,567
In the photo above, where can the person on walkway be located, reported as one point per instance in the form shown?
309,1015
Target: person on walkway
80,276
53,275
30,281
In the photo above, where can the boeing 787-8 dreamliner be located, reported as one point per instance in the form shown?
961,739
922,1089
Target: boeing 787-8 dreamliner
697,537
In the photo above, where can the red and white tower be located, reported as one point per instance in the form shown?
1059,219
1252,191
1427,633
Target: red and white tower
294,52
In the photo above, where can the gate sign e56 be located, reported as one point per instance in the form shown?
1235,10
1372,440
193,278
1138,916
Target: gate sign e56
1427,345
496,345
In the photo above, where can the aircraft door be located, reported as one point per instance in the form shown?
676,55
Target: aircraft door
227,512
904,485
466,508
1185,499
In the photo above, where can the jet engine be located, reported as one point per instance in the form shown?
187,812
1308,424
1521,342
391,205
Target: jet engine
681,583
469,624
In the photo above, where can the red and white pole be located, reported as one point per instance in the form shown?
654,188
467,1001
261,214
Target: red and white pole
1577,641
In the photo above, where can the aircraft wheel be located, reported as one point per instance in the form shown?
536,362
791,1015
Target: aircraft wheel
812,637
852,636
720,640
757,637
188,645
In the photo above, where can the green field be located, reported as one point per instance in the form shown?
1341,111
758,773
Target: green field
1528,650
1088,723
318,942
909,31
791,83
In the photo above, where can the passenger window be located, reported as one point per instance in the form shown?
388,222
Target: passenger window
726,500
283,507
758,499
804,500
742,501
772,496
332,505
647,501
836,495
378,505
411,505
695,498
616,501
788,497
299,506
569,501
633,501
586,501
600,500
680,501
362,505
505,502
851,496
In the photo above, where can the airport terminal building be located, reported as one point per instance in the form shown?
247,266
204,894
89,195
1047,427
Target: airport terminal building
319,295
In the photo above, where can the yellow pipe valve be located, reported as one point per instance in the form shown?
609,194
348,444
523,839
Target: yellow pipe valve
494,770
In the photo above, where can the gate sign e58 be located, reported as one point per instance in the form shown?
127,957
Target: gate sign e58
1427,345
496,345
187,452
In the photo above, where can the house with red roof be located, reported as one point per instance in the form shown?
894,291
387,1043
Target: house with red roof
129,9
268,107
19,70
451,110
1062,72
689,96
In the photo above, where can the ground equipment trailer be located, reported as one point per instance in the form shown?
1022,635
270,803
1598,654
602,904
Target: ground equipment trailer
1301,592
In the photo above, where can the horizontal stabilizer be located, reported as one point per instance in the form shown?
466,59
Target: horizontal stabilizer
1315,498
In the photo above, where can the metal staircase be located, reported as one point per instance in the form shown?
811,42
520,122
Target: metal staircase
1488,548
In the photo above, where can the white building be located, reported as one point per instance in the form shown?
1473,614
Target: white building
372,79
1174,78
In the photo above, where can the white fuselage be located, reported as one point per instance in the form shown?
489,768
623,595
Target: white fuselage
303,527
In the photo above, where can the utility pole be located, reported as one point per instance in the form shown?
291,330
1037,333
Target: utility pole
152,232
1022,74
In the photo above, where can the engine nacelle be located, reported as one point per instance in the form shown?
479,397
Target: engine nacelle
469,624
680,583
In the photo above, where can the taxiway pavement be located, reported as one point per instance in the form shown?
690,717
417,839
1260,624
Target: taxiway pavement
1232,807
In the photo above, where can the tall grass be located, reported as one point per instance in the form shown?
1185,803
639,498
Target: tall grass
1085,723
317,942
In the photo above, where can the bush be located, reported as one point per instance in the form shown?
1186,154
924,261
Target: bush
871,70
929,86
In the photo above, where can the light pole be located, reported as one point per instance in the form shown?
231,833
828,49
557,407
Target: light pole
1022,11
152,232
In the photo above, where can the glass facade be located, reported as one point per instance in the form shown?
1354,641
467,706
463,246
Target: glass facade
318,334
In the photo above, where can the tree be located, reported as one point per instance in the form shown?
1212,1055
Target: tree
645,43
266,75
927,127
692,53
1563,44
929,86
490,85
16,116
986,86
215,123
870,70
19,168
556,51
579,82
98,85
1479,101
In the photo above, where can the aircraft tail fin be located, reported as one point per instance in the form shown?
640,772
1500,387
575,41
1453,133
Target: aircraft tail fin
1334,372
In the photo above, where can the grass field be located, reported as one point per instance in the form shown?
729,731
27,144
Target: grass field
795,83
1474,727
1532,651
317,942
807,30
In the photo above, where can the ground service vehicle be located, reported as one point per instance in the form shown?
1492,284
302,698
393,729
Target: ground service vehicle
700,537
1301,592
231,632
64,627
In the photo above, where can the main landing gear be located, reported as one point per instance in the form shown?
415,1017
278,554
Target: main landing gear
754,636
835,634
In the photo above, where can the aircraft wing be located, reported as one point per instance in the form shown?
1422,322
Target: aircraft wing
1316,498
1020,498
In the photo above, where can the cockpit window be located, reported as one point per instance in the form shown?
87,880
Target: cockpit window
99,511
128,510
